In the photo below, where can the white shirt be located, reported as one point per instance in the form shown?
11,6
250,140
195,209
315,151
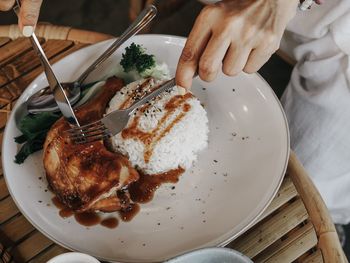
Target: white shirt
317,101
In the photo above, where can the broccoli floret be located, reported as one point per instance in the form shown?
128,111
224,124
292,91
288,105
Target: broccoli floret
135,58
145,62
136,64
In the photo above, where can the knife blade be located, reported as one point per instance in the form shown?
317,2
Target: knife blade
56,87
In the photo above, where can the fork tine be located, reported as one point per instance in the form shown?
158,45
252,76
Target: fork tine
89,139
85,131
84,127
89,133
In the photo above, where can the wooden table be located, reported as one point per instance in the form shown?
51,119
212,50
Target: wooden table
295,227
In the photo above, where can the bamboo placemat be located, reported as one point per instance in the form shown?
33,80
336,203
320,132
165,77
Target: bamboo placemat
295,227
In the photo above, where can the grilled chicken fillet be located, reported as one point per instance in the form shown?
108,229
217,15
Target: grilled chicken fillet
86,177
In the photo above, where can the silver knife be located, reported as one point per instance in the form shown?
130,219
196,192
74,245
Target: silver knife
58,91
55,86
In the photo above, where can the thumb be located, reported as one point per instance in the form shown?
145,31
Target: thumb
6,5
28,16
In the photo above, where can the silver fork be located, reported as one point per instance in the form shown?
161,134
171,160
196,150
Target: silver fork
114,122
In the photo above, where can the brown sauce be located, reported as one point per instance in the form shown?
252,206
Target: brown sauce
142,191
64,211
141,91
58,203
176,101
149,149
84,218
110,222
87,218
128,213
124,198
150,139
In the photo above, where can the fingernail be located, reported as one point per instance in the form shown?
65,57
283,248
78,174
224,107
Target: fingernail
27,31
182,91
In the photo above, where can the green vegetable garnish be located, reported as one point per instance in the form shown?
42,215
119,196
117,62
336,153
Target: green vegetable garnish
135,58
34,129
34,124
31,146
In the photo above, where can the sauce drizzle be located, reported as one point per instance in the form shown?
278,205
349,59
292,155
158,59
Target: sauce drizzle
150,139
110,222
87,218
142,191
128,213
138,93
64,211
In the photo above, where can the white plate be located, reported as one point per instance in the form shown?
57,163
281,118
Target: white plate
233,181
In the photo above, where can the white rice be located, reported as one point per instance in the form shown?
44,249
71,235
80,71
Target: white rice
178,148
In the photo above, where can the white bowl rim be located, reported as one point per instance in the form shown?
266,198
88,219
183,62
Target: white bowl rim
212,249
74,255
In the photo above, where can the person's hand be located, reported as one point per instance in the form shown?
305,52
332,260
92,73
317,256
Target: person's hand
28,14
234,35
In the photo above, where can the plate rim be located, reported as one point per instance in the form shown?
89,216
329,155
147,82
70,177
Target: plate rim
220,244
